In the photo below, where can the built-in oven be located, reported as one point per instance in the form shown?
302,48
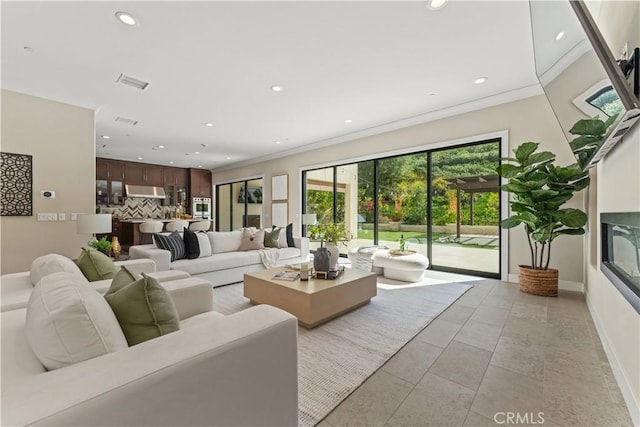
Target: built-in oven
201,207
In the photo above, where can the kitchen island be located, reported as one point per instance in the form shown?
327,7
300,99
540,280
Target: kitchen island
130,232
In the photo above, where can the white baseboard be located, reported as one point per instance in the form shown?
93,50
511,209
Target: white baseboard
566,285
632,405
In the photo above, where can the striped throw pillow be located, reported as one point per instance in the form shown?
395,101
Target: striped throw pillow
172,243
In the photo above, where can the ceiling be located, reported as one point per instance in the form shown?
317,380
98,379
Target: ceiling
372,63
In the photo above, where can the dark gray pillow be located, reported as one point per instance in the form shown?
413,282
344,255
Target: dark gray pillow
191,245
289,232
172,243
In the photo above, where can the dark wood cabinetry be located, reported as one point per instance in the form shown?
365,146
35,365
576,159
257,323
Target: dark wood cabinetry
176,186
109,182
144,174
200,183
180,184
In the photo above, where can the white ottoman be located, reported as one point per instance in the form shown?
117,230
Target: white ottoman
360,257
407,268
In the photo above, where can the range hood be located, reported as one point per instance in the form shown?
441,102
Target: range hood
147,192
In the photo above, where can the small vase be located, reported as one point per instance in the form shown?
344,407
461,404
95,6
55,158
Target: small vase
335,254
322,260
115,247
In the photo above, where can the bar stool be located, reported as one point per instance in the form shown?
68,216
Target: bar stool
148,229
177,226
200,226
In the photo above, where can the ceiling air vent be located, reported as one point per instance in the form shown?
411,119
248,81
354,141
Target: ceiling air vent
130,81
126,121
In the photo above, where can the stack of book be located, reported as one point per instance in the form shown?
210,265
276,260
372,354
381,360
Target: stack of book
287,275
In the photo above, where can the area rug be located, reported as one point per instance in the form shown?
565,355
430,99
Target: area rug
335,358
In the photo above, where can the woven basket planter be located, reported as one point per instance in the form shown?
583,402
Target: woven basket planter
538,282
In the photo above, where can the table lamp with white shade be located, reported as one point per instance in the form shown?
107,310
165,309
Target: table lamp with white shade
94,224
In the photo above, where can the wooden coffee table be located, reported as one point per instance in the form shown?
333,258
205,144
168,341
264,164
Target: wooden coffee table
315,301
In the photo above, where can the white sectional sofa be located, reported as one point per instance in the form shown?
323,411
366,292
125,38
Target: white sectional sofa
17,287
216,370
227,263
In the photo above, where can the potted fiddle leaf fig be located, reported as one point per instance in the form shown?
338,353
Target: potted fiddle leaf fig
539,191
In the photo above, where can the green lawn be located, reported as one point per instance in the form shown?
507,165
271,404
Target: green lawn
414,237
393,236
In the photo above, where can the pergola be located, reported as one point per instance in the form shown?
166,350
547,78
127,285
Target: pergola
471,185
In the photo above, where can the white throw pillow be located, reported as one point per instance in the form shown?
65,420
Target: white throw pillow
52,263
68,322
205,245
282,239
225,241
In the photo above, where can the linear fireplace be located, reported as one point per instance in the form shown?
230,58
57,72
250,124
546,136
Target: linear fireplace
621,253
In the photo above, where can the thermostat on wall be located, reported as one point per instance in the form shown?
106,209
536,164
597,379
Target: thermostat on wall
48,194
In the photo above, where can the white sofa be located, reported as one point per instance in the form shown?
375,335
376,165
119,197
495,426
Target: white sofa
227,264
15,288
216,370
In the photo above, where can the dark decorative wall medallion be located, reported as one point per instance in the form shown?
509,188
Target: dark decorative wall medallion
16,185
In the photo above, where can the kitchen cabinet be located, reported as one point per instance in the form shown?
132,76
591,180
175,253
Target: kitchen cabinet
144,174
175,186
200,183
109,182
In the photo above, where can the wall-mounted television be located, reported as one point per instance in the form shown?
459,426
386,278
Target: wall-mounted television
580,76
253,195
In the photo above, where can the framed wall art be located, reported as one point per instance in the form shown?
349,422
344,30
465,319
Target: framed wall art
16,181
280,187
280,214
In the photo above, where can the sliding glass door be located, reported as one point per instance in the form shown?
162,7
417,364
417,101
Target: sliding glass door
239,204
402,202
445,203
465,208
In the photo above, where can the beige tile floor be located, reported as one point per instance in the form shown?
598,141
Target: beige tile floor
494,351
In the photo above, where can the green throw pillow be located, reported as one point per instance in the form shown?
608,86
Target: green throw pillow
271,238
144,310
96,265
123,277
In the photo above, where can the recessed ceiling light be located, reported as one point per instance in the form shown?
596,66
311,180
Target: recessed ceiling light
170,163
197,152
160,146
436,4
480,80
126,18
105,137
277,142
277,88
228,158
204,145
199,166
139,158
348,121
560,35
208,124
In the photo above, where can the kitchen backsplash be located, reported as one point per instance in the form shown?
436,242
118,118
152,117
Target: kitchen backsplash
136,208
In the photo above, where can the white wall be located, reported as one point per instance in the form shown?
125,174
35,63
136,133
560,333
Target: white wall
616,188
61,139
529,119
